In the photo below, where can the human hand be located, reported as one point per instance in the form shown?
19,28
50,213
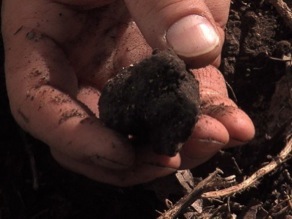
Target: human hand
60,53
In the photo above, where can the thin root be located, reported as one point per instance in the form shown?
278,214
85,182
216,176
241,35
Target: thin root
188,199
250,181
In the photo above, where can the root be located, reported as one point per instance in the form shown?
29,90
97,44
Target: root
188,199
250,181
198,192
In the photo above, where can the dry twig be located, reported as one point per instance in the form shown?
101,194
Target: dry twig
250,181
188,199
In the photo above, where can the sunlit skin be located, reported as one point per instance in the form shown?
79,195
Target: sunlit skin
59,55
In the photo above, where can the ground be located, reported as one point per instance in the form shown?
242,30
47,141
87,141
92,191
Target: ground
257,67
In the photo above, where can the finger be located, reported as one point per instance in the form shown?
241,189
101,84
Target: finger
219,11
215,103
42,89
240,127
187,26
89,96
142,172
208,137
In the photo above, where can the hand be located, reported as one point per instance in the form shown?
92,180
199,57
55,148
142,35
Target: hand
60,53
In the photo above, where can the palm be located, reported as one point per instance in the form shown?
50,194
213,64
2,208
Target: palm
102,42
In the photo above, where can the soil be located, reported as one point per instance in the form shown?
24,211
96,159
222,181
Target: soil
255,64
142,101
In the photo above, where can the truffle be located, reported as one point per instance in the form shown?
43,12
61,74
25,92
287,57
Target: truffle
156,101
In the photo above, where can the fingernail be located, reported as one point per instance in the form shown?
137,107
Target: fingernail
192,36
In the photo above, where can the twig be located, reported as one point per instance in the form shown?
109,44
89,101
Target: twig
232,91
188,199
283,10
282,157
236,165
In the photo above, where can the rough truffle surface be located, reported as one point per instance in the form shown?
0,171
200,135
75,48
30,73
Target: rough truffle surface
156,101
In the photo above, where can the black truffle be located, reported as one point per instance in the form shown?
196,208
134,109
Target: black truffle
156,101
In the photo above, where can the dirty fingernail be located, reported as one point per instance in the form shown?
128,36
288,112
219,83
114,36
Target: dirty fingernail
192,36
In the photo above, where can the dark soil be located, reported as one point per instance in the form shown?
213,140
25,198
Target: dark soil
143,101
32,185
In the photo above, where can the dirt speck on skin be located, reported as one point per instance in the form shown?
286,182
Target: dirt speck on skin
73,113
60,99
156,101
34,36
35,73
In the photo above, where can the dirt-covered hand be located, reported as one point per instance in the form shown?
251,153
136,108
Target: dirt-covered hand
60,53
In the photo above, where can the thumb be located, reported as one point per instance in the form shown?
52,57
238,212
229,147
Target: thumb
186,26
